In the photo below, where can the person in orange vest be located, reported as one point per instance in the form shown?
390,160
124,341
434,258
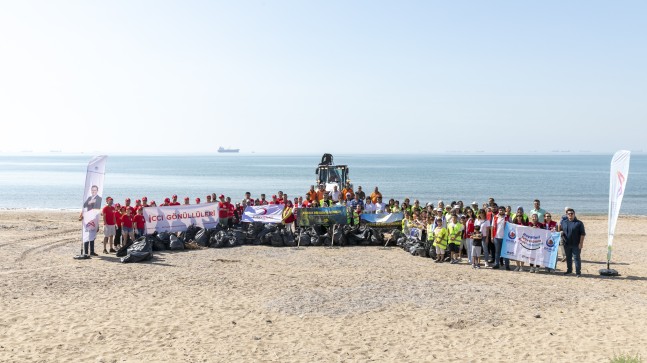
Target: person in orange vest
376,194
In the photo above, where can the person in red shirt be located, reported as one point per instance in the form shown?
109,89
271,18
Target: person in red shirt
138,205
127,227
119,211
139,222
186,201
166,203
223,212
231,210
280,198
209,199
174,202
128,206
145,202
108,213
197,200
263,201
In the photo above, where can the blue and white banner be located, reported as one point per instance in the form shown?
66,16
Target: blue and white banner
530,245
383,220
272,213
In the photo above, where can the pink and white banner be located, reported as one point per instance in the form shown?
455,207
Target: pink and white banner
272,213
178,218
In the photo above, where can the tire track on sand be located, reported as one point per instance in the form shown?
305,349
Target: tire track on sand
43,248
57,234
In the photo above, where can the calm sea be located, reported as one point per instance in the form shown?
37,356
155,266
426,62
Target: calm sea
579,181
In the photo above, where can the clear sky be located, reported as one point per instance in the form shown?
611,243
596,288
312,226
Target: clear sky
327,76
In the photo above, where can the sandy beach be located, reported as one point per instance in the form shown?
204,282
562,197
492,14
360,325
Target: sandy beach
258,303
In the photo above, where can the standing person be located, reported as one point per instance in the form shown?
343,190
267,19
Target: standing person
139,223
312,194
347,190
231,210
484,228
455,229
376,193
197,200
407,221
518,219
477,242
108,213
573,233
369,207
186,201
209,199
223,212
130,207
360,193
538,210
145,202
248,197
174,201
138,205
497,231
440,236
469,229
335,195
263,201
380,207
127,227
534,223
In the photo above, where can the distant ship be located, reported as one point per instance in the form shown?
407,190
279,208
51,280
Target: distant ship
223,150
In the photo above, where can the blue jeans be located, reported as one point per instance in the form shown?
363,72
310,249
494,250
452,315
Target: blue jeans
573,251
498,243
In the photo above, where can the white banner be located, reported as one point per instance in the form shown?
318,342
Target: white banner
272,213
92,197
177,218
531,245
618,182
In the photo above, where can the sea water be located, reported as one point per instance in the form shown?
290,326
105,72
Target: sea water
56,181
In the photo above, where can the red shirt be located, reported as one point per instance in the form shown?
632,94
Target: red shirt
550,225
108,215
175,203
127,221
222,210
230,210
537,225
139,221
118,216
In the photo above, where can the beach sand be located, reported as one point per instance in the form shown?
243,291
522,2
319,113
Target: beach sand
258,303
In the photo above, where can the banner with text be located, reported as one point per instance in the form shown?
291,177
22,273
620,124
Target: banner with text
530,245
323,216
383,220
272,213
177,218
93,197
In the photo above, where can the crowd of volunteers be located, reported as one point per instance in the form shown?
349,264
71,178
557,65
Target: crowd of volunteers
456,230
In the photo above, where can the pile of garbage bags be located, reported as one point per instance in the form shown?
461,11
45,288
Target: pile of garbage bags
273,235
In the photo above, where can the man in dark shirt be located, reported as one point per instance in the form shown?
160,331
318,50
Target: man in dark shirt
573,232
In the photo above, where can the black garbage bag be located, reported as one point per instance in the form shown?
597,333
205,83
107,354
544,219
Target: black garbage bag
191,232
202,237
140,250
232,239
239,237
339,238
165,237
123,251
304,240
288,238
156,243
325,240
275,239
401,241
219,240
176,243
315,241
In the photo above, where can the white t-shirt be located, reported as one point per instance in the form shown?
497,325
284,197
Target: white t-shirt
369,208
500,227
380,207
334,195
485,224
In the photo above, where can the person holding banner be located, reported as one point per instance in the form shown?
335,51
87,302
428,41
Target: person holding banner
574,233
497,233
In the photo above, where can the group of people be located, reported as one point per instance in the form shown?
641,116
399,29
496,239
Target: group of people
454,228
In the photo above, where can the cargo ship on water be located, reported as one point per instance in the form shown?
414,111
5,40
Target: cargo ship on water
223,150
